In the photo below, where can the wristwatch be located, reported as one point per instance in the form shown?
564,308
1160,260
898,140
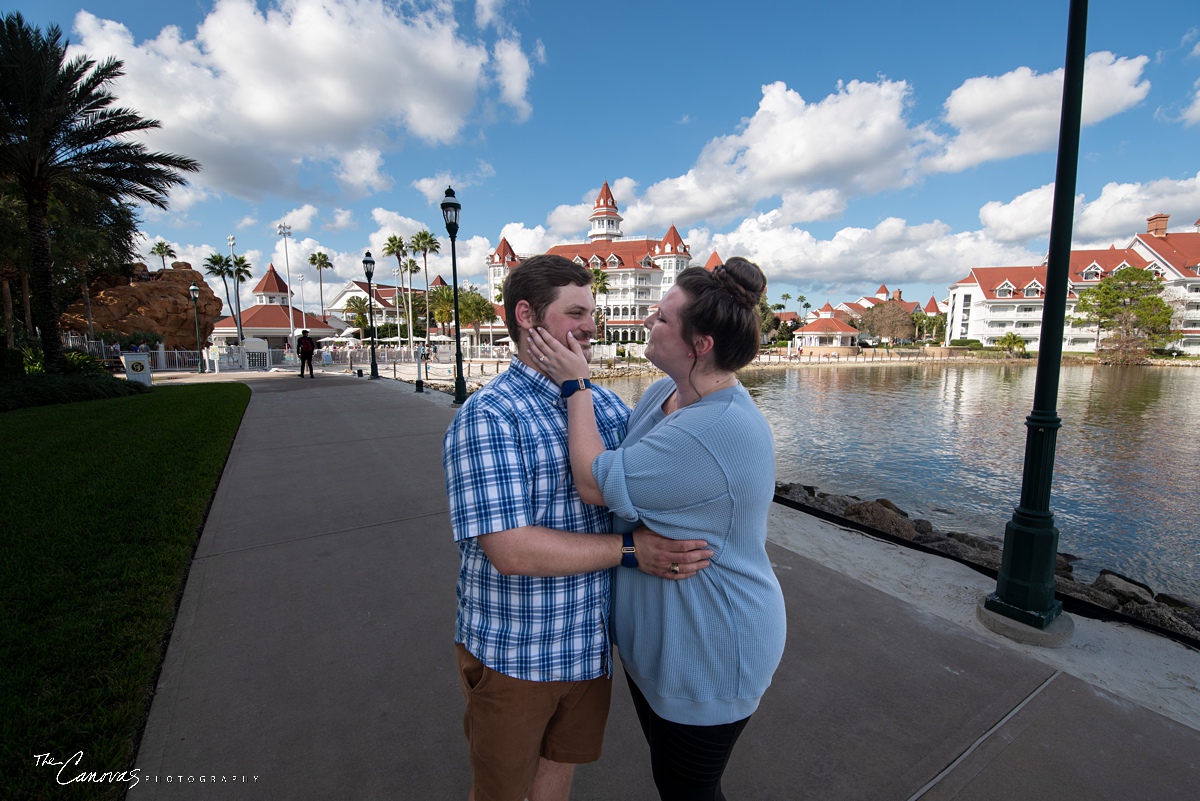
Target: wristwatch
627,550
569,388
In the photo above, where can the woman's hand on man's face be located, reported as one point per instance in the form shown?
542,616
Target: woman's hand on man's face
560,362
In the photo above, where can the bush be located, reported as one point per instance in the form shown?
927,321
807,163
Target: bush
47,390
126,341
973,344
12,363
74,361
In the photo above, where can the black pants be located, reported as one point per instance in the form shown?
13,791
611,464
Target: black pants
688,761
303,361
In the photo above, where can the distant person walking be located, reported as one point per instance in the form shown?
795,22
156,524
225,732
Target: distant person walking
306,346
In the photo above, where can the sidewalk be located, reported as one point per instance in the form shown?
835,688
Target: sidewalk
312,657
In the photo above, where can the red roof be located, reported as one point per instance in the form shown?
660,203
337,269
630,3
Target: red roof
713,261
272,315
437,281
883,290
932,306
605,202
272,283
1180,251
827,325
629,253
504,254
673,242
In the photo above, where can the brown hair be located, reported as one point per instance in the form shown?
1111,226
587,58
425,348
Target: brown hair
537,281
724,305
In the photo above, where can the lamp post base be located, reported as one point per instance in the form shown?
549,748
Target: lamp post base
1055,634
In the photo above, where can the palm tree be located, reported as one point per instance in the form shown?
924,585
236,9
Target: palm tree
410,267
599,287
321,262
426,243
398,247
58,128
163,250
1011,341
476,310
240,273
357,305
440,304
785,297
220,266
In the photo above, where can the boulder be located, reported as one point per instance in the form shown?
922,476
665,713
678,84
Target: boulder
884,502
160,303
878,516
1125,590
923,527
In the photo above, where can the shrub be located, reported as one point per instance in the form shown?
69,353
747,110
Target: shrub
973,344
40,389
12,363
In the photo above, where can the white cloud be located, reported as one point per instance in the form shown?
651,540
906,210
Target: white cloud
1018,112
300,219
1191,115
434,187
255,95
526,240
342,219
487,12
1025,217
247,222
513,73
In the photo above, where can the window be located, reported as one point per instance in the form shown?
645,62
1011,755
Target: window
1033,291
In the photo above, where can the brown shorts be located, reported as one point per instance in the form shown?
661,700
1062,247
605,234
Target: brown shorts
510,722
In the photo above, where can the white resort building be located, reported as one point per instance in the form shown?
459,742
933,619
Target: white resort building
993,301
267,317
638,269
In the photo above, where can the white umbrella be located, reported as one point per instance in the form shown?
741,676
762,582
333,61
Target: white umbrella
440,338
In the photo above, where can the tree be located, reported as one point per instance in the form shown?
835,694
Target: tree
59,129
475,310
426,243
163,250
220,266
357,306
321,262
599,287
890,321
240,272
440,304
805,304
396,246
1128,305
1011,342
785,297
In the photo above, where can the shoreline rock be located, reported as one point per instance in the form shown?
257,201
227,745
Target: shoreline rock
1110,590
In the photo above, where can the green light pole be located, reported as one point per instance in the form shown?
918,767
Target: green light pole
194,291
1025,585
450,210
369,271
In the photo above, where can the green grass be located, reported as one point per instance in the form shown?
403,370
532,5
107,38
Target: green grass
101,506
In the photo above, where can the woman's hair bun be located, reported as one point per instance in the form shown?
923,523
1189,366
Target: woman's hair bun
742,279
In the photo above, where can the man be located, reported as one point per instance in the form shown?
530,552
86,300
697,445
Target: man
305,347
532,630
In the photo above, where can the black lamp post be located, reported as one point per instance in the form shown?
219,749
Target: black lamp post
369,270
194,291
1025,585
450,209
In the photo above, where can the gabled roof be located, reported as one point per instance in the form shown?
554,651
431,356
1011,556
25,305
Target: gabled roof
673,242
504,254
1109,261
272,283
384,295
827,325
713,261
629,253
932,306
437,281
883,290
272,315
606,204
1179,252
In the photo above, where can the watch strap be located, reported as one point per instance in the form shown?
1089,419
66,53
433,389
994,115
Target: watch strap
569,388
628,559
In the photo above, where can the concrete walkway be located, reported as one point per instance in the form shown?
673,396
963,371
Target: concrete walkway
312,657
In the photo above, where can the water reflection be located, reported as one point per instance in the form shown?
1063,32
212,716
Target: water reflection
947,443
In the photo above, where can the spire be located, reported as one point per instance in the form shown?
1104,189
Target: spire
606,222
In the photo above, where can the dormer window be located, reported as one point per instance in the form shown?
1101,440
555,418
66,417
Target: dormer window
1034,290
1091,274
1004,292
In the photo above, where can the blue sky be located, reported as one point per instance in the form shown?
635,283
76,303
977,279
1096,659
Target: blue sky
840,146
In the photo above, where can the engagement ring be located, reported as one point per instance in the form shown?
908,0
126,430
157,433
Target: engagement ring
675,568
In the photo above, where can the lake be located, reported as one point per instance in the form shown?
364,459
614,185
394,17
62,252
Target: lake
947,442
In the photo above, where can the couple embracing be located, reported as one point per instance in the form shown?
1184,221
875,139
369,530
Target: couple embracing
581,525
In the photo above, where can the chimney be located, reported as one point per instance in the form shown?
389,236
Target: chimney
896,294
1157,225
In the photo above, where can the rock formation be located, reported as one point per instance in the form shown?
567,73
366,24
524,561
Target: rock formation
156,302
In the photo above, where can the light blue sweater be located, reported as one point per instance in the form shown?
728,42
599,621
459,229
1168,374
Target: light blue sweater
701,650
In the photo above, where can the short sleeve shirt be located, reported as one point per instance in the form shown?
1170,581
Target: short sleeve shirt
507,465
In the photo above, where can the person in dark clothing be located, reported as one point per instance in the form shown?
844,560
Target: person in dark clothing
305,347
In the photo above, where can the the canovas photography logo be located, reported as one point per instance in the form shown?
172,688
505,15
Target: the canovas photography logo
72,771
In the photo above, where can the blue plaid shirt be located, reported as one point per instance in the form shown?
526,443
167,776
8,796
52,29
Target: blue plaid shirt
507,466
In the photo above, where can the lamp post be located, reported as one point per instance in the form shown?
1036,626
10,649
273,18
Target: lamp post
285,230
369,271
450,210
1025,584
303,322
237,303
194,291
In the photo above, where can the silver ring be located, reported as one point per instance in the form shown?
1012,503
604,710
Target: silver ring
543,358
675,568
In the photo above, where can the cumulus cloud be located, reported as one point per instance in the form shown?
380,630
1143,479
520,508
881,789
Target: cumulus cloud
434,187
248,221
1018,112
342,219
300,219
255,94
1191,114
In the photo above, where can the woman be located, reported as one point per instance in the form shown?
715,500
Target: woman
698,460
